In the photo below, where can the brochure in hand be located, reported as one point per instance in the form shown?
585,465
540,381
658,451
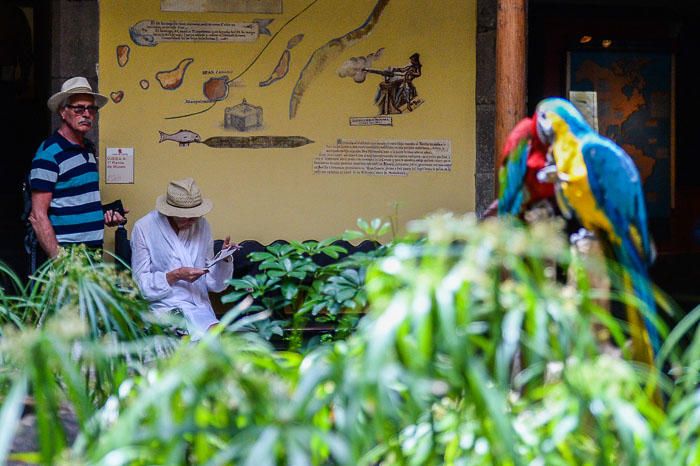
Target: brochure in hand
221,255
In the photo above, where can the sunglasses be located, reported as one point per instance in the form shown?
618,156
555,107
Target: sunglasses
80,109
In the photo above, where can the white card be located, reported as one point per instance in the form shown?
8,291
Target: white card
119,165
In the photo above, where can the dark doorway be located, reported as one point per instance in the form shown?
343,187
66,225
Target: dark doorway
24,82
556,28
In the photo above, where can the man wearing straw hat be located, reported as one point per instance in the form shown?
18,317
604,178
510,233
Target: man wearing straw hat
171,249
64,178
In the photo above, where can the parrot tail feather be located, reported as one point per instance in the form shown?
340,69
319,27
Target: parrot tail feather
511,180
636,280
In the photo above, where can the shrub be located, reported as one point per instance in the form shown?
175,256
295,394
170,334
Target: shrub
474,351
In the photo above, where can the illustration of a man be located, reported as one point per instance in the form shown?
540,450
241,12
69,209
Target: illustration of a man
397,90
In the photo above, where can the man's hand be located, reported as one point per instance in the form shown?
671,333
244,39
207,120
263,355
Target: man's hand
39,218
114,218
187,274
491,210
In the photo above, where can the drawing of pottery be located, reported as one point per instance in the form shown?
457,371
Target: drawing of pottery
216,89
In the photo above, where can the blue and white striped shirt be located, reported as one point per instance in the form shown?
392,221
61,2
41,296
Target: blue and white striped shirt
70,172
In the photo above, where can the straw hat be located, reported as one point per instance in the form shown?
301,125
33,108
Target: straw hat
72,86
183,199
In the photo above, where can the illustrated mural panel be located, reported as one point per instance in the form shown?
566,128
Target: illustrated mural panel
342,90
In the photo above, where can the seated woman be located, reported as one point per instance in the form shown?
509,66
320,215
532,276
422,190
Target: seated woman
169,248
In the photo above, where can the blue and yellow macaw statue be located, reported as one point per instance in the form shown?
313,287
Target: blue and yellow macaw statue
597,181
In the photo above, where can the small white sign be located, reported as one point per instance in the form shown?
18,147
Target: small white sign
381,120
119,166
587,103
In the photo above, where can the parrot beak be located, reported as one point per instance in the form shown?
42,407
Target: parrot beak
550,155
545,132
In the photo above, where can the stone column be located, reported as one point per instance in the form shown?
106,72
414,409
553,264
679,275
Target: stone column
75,26
485,101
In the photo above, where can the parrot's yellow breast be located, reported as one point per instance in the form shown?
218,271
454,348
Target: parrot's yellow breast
574,182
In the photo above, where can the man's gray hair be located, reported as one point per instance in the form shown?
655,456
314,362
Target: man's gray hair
63,103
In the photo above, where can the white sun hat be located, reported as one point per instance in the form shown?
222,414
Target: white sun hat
183,199
72,86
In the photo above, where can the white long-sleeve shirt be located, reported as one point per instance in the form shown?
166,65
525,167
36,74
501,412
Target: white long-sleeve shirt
157,250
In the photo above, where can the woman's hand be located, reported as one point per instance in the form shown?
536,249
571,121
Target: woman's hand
187,274
228,244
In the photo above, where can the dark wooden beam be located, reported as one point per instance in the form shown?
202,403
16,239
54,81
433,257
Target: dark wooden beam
511,69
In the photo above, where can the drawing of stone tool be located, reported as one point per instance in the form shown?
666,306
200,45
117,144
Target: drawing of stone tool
256,142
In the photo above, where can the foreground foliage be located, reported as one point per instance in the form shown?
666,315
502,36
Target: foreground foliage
472,353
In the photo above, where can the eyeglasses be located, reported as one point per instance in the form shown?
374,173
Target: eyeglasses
80,109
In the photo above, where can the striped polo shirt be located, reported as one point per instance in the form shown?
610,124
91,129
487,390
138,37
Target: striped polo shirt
70,172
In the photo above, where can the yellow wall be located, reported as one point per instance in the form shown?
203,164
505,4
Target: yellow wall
266,194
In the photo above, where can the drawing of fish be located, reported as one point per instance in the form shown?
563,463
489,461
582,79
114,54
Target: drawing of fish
262,26
183,137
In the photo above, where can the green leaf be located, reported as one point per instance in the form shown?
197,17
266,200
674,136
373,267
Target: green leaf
12,406
234,297
261,256
352,275
289,290
352,235
262,451
345,294
385,228
247,282
274,265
